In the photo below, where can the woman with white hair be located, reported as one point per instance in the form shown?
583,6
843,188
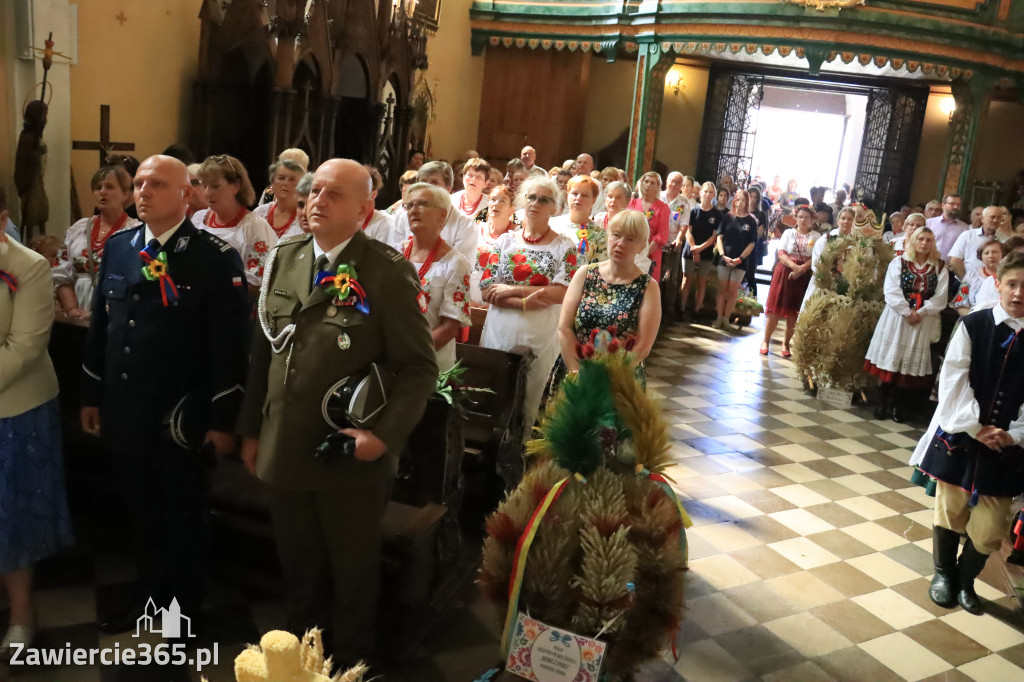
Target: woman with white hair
900,351
442,271
283,212
612,304
524,283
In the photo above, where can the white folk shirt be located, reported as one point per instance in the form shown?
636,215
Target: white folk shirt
958,409
459,232
293,228
252,238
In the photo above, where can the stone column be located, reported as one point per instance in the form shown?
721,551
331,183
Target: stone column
972,100
652,66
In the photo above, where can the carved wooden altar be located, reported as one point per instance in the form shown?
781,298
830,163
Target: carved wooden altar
332,77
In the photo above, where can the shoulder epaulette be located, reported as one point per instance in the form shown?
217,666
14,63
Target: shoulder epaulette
294,239
121,234
386,251
213,239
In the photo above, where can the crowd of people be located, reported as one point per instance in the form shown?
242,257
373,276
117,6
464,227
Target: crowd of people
179,258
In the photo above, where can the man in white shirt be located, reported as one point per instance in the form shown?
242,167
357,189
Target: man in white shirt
963,257
584,164
975,455
459,231
529,157
947,226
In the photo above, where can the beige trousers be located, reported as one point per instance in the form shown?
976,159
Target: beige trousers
985,524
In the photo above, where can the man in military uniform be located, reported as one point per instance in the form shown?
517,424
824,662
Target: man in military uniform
327,514
164,363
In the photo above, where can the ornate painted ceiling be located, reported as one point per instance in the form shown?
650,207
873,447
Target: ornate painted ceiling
939,40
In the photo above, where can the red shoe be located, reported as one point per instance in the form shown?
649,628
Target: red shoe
764,349
785,352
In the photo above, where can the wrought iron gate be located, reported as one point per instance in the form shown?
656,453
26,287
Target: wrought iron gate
888,152
730,124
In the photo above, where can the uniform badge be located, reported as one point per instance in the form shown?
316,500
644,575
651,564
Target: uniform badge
181,245
332,312
301,256
344,342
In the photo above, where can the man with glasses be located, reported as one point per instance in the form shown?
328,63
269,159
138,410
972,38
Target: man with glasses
333,303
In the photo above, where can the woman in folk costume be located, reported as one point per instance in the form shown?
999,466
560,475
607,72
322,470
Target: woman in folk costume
974,455
900,351
79,266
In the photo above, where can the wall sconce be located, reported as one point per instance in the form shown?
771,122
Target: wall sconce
948,106
674,80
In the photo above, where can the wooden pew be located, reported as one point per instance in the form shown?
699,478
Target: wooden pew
494,428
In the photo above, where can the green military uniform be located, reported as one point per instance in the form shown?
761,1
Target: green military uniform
327,516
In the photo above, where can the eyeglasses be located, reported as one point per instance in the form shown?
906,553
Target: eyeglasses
410,205
224,158
539,199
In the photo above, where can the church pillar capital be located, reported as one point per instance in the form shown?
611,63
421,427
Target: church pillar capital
652,66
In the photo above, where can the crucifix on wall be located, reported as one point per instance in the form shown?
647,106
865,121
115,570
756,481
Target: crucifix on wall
104,145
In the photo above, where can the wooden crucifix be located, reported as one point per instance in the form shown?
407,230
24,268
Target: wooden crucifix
104,145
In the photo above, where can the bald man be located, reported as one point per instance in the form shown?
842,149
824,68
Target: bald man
164,363
529,157
584,164
963,256
327,510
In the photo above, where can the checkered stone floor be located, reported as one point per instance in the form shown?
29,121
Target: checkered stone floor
810,551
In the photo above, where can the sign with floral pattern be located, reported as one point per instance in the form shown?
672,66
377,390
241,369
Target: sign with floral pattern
543,653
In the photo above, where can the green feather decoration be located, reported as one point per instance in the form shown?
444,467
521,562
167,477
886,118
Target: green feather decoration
575,426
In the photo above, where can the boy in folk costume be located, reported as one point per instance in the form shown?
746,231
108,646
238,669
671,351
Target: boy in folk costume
975,455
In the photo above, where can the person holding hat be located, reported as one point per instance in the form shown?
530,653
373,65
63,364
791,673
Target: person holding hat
334,305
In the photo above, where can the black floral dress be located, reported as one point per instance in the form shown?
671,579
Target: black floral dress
607,320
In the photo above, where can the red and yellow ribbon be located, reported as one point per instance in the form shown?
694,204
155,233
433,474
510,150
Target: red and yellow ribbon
515,581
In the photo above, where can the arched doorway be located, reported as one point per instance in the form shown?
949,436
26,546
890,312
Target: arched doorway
355,115
239,111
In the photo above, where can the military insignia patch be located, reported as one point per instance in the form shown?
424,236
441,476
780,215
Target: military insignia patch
181,245
344,342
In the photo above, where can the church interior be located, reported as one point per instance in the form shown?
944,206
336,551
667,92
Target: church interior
808,550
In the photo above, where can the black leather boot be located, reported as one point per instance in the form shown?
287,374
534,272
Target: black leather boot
968,567
884,401
944,585
899,414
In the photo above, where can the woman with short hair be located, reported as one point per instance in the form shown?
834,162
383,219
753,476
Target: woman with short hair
912,224
900,351
610,302
657,213
790,278
442,271
735,242
989,254
407,180
501,218
524,283
78,269
591,240
229,192
472,201
283,212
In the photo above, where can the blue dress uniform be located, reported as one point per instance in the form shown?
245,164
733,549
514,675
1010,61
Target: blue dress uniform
143,358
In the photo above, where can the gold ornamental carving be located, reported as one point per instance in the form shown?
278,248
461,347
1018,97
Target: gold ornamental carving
822,5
